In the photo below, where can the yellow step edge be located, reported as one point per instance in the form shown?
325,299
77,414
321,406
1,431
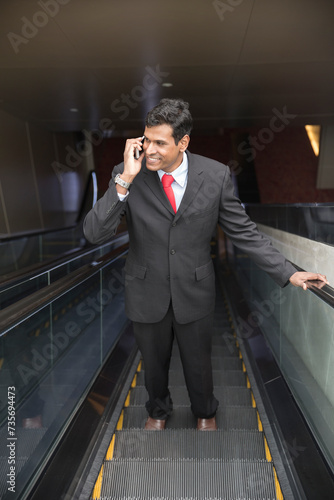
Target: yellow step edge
98,486
119,426
279,493
110,452
134,382
127,401
259,423
266,447
243,367
248,382
253,400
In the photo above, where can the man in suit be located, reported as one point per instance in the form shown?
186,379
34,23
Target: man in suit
170,282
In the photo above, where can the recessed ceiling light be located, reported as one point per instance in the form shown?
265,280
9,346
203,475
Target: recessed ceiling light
167,84
74,110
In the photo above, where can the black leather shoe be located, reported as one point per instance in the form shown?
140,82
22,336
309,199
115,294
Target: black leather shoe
206,424
153,424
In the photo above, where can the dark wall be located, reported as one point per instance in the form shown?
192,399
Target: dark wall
285,167
42,178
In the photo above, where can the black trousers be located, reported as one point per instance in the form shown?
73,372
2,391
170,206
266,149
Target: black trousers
194,339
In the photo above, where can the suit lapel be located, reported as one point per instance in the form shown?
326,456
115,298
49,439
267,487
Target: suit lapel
195,180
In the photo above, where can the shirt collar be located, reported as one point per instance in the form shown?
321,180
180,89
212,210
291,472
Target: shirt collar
180,173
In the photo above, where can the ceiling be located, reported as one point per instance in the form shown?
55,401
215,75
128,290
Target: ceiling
238,62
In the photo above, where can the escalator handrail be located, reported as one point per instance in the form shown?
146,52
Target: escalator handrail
30,272
16,313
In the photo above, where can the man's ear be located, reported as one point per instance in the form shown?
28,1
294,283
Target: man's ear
184,143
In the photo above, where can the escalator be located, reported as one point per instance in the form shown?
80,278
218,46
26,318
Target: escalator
68,351
262,449
233,462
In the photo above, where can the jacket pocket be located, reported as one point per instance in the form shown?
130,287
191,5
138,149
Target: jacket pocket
204,271
134,270
200,215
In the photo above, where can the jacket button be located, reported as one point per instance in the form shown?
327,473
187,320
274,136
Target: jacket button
168,277
174,224
172,252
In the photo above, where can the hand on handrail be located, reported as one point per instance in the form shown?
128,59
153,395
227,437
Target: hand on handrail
305,280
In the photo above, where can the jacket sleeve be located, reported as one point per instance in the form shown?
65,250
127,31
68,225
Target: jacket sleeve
103,219
245,235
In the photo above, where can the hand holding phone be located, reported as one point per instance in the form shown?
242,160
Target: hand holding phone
137,151
132,160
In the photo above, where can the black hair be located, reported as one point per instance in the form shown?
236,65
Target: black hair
173,112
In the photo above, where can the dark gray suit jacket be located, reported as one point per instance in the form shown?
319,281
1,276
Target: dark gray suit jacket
169,256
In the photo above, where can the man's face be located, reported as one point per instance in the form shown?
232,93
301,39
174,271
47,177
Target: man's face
161,152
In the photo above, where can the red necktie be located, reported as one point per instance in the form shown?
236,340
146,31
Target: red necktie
167,181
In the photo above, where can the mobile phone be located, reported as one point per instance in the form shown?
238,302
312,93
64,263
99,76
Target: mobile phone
137,151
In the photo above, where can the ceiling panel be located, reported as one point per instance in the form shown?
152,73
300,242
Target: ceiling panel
289,31
234,64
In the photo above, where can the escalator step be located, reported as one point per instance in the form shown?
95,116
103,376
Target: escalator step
218,350
233,378
231,417
187,479
218,363
183,444
227,396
